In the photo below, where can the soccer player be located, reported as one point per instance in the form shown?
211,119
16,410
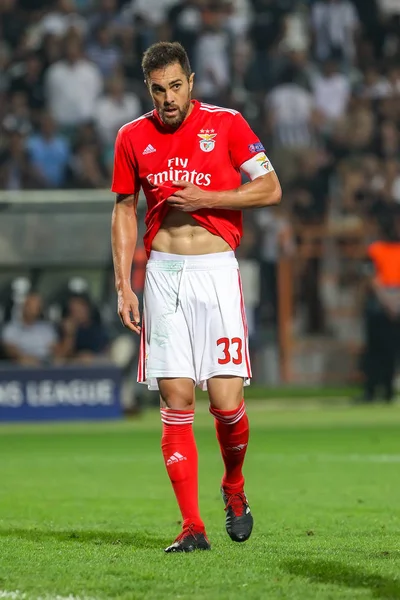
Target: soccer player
187,157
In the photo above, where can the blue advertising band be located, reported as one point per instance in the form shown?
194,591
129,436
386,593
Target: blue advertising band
60,394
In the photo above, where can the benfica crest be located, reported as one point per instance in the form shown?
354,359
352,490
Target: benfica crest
264,162
207,141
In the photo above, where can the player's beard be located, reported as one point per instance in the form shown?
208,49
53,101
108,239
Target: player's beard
178,118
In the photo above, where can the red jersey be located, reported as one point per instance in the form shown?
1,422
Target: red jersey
207,149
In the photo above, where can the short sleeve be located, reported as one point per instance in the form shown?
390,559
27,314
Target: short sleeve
125,178
243,142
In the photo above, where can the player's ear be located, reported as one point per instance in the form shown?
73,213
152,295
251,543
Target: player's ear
191,81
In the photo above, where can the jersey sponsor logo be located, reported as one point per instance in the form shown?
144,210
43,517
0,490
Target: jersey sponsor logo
149,149
207,141
264,162
178,170
257,147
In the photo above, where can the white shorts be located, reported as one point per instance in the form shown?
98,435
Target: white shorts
194,323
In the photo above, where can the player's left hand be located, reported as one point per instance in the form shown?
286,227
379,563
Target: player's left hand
189,198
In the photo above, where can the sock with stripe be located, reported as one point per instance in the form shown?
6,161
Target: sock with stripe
180,457
232,428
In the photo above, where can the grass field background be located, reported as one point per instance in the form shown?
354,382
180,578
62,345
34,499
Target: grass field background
86,509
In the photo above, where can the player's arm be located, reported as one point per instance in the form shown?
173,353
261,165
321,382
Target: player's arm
123,243
263,190
124,231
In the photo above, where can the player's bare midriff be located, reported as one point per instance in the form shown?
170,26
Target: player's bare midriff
180,234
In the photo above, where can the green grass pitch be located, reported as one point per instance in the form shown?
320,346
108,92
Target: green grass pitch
86,510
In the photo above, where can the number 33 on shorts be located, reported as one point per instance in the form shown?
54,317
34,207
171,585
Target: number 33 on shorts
231,350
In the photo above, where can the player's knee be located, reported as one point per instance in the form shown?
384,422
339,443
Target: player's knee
177,395
177,401
226,402
225,393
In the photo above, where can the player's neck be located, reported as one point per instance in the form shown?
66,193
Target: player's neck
191,107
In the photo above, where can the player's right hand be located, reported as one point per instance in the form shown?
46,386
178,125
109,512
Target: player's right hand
128,310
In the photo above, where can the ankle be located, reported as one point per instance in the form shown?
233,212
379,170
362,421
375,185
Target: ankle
233,488
195,524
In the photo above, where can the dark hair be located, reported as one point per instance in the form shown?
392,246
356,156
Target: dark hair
163,54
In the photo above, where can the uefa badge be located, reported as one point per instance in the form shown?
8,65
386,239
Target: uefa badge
207,141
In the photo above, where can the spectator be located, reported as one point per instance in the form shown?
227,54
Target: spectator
212,56
388,140
106,13
104,52
375,85
237,16
73,86
11,22
62,19
290,114
277,241
335,24
114,109
383,313
51,51
184,20
30,340
29,80
17,171
297,34
87,168
290,109
49,153
18,117
312,181
83,339
153,13
392,174
5,57
373,25
331,92
393,77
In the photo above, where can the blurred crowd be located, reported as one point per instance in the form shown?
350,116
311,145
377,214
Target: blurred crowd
316,75
318,80
30,338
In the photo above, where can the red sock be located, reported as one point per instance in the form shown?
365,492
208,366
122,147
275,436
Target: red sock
233,435
180,456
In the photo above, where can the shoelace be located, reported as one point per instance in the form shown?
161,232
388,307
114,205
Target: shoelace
236,502
188,531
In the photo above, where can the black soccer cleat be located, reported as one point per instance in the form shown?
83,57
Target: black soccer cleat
239,520
189,541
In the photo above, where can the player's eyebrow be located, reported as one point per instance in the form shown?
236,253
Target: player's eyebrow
156,86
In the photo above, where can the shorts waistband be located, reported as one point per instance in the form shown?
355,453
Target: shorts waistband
163,261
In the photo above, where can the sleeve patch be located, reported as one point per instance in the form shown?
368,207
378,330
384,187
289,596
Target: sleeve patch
257,147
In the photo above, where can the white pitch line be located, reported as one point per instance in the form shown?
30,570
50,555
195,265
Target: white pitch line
18,595
360,458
